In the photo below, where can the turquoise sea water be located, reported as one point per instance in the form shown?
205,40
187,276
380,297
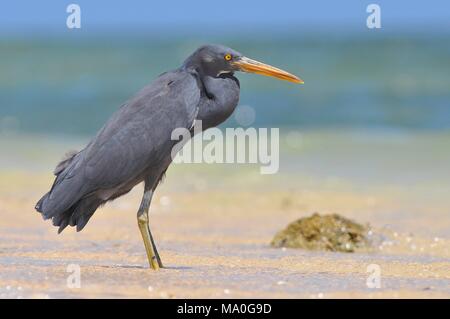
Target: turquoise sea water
71,85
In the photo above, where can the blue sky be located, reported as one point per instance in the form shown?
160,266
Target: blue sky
44,16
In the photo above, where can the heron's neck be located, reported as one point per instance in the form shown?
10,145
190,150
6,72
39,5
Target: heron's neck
222,96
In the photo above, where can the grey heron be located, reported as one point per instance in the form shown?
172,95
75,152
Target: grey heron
135,144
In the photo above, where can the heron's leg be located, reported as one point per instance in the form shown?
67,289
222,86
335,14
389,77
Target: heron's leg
142,217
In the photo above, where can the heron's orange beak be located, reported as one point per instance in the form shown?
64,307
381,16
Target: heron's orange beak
248,65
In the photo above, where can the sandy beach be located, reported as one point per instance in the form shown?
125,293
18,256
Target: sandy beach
213,226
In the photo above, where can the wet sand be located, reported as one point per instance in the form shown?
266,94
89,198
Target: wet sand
213,235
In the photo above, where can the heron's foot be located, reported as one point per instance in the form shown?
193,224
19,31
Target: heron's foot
153,258
154,263
158,259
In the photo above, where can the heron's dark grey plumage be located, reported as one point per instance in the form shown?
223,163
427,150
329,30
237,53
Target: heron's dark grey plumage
135,144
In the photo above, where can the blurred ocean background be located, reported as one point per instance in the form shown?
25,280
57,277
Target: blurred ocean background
375,104
59,81
70,85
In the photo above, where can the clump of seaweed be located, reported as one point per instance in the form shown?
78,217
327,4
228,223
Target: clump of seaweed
327,232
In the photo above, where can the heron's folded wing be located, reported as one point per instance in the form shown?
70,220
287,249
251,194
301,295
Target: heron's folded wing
138,135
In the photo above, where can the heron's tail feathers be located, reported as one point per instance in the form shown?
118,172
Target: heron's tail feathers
40,203
66,203
77,215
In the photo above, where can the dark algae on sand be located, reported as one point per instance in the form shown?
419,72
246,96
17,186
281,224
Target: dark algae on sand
327,232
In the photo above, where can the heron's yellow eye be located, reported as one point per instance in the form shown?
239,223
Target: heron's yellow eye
228,57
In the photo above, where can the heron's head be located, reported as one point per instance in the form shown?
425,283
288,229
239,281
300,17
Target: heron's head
214,60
